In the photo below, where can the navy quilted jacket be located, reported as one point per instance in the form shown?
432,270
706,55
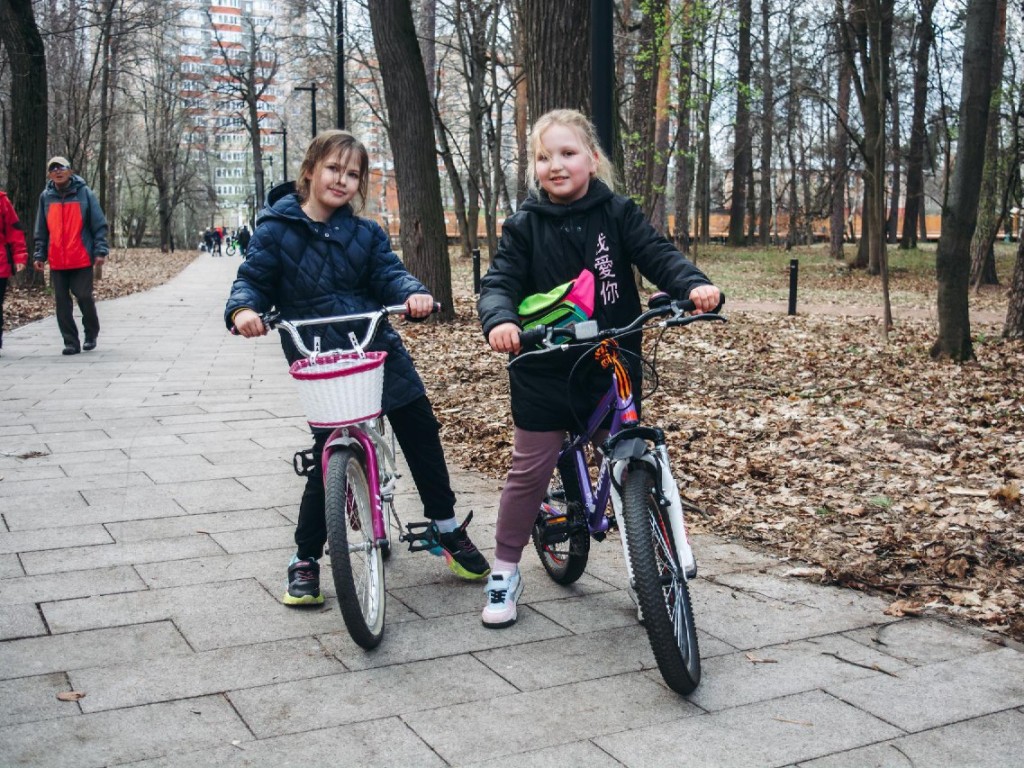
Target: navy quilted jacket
308,269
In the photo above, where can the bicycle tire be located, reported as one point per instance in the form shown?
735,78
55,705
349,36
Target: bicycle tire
564,561
658,581
357,564
231,250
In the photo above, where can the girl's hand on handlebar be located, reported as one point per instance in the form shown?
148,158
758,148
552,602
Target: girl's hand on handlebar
419,305
505,338
248,324
706,298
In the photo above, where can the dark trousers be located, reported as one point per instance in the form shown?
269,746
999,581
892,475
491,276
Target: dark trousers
78,283
419,435
3,293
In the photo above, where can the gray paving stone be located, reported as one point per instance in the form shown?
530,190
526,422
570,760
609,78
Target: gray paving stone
770,733
923,641
60,514
251,615
70,536
197,674
211,523
104,738
62,586
386,743
254,539
580,753
944,692
95,481
99,647
20,621
418,639
368,695
103,555
748,620
268,566
579,711
10,568
31,699
983,742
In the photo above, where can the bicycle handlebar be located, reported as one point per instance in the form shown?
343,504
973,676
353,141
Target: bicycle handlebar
273,320
587,331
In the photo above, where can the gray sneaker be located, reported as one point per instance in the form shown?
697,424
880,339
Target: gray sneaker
502,590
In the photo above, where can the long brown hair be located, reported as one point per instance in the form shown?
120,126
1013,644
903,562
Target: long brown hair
326,145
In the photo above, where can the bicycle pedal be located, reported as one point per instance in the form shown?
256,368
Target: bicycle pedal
304,463
421,537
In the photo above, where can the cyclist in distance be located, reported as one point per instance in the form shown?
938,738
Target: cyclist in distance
313,256
571,221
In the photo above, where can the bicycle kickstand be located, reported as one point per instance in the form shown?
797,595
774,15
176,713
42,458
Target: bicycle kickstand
421,537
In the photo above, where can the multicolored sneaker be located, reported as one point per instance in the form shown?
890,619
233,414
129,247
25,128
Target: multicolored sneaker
462,556
303,582
502,591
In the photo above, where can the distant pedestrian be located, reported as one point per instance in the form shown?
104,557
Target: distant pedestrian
218,238
71,233
13,254
243,238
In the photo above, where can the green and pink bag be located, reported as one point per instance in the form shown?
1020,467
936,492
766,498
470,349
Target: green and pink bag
570,302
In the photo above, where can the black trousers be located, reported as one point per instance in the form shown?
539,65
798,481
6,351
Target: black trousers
78,283
419,435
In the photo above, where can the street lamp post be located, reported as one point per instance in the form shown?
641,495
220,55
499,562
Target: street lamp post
339,65
312,92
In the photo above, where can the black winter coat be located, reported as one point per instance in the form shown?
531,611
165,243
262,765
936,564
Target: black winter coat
545,244
307,269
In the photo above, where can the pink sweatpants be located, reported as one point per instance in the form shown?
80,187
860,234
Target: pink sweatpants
534,455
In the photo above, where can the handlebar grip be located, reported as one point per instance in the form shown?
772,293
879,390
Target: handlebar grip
531,337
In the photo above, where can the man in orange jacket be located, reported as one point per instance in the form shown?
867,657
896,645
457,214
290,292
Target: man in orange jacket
13,254
71,233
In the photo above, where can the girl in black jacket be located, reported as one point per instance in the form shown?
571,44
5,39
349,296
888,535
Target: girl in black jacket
574,221
312,256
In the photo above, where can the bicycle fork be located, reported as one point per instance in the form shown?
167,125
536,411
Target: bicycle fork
666,494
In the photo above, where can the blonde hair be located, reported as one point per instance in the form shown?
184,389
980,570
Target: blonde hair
326,145
587,134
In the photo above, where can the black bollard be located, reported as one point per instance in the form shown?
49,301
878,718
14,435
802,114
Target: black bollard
476,271
794,268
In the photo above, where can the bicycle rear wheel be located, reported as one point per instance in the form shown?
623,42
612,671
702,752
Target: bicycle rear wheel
560,534
357,564
659,583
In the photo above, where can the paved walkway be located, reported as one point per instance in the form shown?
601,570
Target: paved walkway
147,506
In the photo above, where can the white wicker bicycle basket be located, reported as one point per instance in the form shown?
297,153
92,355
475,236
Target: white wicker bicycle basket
340,388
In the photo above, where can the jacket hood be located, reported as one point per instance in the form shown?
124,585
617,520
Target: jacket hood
597,194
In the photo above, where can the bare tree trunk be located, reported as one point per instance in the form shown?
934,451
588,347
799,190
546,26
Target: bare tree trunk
959,215
659,178
1014,326
893,220
990,215
27,56
422,232
640,140
556,39
683,148
913,209
840,163
764,216
741,152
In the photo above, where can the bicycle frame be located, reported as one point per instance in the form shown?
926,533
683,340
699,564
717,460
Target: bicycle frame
368,441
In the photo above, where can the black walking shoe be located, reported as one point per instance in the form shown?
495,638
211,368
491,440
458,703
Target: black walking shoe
303,583
462,556
71,350
90,344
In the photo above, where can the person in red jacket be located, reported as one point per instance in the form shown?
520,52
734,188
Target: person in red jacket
71,233
13,254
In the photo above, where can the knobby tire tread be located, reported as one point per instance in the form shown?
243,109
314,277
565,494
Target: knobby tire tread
336,497
640,512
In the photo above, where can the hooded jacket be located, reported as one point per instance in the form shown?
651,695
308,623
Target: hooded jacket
12,238
545,244
307,269
71,230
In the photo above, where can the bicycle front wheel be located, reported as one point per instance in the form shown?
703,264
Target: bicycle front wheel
357,564
659,583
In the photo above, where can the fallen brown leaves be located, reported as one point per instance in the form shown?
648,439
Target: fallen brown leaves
869,463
